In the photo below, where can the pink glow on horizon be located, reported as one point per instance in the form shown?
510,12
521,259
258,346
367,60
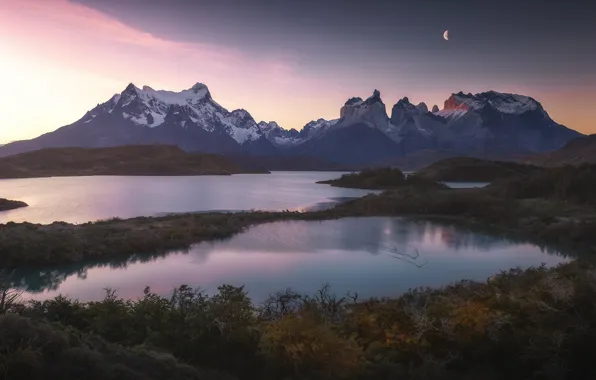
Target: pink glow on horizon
77,53
64,58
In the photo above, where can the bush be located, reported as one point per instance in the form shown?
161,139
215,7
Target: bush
518,325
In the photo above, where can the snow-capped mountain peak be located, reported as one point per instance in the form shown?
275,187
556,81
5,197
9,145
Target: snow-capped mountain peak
502,102
192,120
198,87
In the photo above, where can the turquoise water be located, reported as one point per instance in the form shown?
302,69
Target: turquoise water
374,256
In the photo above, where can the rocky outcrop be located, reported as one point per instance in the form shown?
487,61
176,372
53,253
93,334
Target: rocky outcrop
370,112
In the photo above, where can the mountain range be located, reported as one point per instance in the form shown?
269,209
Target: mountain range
364,133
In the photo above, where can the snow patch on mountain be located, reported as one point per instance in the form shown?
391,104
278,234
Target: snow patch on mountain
452,114
502,102
157,103
513,104
461,123
316,127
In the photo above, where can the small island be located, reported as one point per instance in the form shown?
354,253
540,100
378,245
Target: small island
383,179
132,160
6,204
469,169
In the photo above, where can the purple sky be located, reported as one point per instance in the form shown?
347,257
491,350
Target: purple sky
292,61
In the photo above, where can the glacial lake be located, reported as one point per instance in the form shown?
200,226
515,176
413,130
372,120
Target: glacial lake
374,256
83,199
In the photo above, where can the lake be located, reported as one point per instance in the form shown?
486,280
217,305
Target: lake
83,199
374,256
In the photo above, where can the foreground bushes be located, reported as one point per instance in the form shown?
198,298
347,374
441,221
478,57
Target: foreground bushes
537,323
34,350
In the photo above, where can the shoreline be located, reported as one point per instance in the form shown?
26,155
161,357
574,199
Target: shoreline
35,245
222,173
7,204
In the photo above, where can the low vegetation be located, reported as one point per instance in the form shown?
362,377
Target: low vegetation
468,169
579,151
382,179
6,204
575,184
536,323
519,325
122,160
27,244
33,349
548,221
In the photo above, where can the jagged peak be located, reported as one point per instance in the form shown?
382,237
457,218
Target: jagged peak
374,98
422,107
240,112
268,126
403,101
197,87
353,101
435,108
130,88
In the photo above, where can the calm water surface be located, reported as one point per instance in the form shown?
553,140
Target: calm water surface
375,256
83,199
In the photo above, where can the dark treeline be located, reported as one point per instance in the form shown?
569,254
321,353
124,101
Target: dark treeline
382,179
536,323
575,184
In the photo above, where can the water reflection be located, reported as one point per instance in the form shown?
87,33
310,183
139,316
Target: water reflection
83,199
375,256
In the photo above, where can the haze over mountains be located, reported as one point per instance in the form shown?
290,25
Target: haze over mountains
364,133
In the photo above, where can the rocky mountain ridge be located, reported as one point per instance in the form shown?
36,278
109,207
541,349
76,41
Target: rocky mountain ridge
363,133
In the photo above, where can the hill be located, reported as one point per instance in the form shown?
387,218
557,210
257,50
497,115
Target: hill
468,169
568,183
124,160
382,179
581,150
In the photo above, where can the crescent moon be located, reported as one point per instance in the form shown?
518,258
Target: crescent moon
446,35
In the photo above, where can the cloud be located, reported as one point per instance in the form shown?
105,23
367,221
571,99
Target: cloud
79,56
92,38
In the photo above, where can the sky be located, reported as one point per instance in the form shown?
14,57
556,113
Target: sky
292,61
